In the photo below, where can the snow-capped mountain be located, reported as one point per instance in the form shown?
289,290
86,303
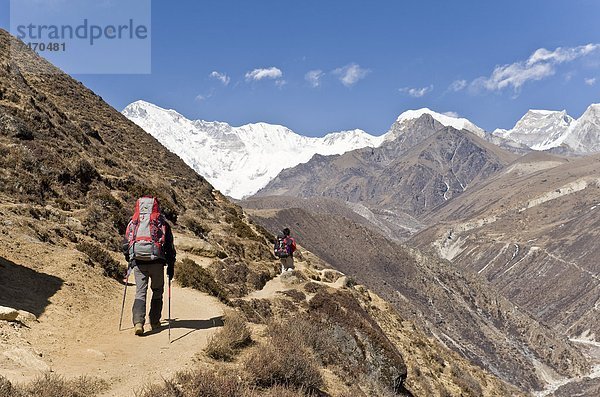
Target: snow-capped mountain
539,129
544,129
239,160
406,120
584,136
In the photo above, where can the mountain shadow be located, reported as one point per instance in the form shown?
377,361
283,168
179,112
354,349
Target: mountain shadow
25,289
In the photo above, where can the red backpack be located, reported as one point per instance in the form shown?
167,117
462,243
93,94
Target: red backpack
284,246
146,231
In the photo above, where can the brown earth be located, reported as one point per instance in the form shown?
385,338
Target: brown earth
461,311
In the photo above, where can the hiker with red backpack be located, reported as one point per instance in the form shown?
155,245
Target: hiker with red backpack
285,245
148,248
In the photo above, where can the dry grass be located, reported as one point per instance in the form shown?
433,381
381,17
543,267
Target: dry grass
257,311
284,360
468,384
99,256
313,288
221,382
50,385
282,391
227,342
198,228
201,382
295,295
190,274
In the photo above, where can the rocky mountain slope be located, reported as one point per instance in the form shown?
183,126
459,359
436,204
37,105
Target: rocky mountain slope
239,160
71,168
531,230
424,166
461,310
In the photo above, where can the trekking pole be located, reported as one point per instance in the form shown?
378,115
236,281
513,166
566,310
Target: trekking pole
169,311
124,294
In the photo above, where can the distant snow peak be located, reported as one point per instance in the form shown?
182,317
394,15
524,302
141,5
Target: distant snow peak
239,161
447,120
547,129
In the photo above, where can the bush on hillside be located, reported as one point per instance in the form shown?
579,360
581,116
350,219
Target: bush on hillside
190,274
464,380
99,256
50,385
285,360
263,232
196,227
220,383
282,391
257,311
227,342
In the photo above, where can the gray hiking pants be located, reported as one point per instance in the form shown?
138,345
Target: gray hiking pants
287,263
156,273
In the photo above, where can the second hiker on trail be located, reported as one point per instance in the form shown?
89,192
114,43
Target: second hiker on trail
148,248
285,245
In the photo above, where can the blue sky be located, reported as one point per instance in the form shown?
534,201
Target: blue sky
322,66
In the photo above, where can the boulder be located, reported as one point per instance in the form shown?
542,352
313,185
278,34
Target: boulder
8,313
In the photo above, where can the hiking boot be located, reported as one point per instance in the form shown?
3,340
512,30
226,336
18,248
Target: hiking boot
155,326
139,329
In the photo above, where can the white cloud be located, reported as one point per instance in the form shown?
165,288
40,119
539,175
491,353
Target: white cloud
280,83
458,85
351,74
451,114
591,81
417,92
266,73
541,64
561,54
222,77
314,77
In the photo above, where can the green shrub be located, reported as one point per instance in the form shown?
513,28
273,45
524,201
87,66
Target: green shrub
99,256
226,343
190,274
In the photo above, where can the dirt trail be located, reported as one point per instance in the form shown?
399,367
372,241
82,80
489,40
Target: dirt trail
77,332
92,345
288,281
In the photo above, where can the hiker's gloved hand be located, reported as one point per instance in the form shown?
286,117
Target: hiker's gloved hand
171,271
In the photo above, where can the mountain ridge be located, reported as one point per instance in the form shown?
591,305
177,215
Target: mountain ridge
547,130
253,154
420,169
239,160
